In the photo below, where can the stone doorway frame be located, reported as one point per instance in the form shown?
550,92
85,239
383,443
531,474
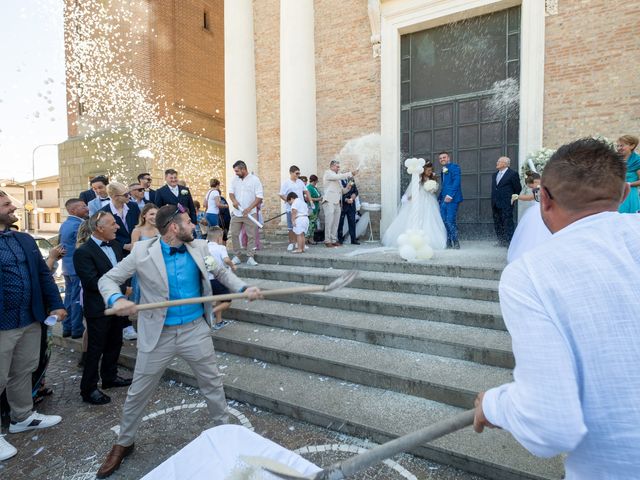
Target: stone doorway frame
399,17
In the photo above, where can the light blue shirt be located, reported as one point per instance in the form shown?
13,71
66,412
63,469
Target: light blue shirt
184,282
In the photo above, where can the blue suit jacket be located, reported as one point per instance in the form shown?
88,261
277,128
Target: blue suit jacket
133,216
164,196
45,296
68,236
450,182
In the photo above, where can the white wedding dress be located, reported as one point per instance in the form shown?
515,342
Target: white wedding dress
421,211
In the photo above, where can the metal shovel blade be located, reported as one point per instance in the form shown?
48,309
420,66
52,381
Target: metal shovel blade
359,462
274,467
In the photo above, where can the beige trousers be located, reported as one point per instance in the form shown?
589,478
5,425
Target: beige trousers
19,356
234,233
192,342
331,219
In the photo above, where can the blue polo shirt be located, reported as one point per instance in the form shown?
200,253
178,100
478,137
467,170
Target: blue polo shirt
184,282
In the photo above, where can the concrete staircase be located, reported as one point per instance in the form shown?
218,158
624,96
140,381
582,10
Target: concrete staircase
403,346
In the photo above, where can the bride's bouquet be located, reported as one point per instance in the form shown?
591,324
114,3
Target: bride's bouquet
430,186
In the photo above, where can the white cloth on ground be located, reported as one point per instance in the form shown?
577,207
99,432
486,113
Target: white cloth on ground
420,212
215,455
571,306
530,232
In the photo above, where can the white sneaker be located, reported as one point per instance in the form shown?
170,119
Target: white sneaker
236,260
6,449
251,261
306,247
129,333
290,247
34,421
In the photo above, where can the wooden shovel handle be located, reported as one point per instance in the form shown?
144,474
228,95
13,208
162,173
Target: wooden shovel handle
220,298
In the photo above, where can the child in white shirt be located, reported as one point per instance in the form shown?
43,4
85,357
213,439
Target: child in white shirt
295,185
299,219
219,252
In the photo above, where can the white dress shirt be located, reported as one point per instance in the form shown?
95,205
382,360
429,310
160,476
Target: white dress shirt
572,306
500,175
246,190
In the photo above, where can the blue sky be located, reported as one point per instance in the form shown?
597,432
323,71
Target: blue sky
32,91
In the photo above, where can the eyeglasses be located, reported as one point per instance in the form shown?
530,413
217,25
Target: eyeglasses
138,190
179,209
297,173
148,179
536,193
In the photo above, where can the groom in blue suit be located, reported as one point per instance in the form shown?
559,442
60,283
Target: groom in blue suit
449,198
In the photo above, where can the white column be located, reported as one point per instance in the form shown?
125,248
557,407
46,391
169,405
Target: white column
241,133
297,87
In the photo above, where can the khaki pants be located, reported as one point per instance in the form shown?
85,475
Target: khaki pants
331,219
234,233
19,356
192,342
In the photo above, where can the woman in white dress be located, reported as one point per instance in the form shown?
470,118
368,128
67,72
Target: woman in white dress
419,211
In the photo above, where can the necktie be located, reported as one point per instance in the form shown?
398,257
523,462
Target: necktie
181,249
105,244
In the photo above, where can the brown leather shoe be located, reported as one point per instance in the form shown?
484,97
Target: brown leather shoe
113,460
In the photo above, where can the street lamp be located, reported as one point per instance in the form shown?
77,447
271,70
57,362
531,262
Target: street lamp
34,183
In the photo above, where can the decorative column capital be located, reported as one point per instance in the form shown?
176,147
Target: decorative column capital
550,7
373,7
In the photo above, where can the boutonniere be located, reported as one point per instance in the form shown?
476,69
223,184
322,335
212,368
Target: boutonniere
184,192
445,170
210,263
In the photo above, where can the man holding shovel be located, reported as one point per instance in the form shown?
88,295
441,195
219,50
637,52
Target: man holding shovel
574,323
172,267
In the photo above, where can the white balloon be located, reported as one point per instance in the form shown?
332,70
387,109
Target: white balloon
424,253
403,239
416,240
407,252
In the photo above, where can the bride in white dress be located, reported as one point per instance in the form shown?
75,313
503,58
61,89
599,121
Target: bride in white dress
419,211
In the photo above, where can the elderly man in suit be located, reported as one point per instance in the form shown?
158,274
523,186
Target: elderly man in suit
93,259
504,184
333,191
27,295
172,194
171,267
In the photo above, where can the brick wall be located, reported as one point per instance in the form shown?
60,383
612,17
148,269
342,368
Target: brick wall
347,85
591,79
266,24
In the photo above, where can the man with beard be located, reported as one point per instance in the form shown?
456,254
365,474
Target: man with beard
245,194
171,267
28,295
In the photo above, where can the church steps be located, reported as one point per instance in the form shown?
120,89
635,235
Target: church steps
484,346
444,264
460,311
367,412
451,381
460,287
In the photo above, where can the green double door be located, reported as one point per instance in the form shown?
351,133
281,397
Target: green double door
460,94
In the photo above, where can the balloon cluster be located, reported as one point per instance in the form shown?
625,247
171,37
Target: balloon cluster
414,165
414,245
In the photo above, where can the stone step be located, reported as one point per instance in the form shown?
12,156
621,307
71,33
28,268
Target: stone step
458,287
447,264
451,381
485,346
367,412
460,311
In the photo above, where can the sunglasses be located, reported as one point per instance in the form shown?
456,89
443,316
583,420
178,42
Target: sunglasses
536,193
138,190
179,209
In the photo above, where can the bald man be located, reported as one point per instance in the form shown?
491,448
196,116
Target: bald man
504,184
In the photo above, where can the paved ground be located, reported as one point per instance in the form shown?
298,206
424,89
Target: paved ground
74,449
